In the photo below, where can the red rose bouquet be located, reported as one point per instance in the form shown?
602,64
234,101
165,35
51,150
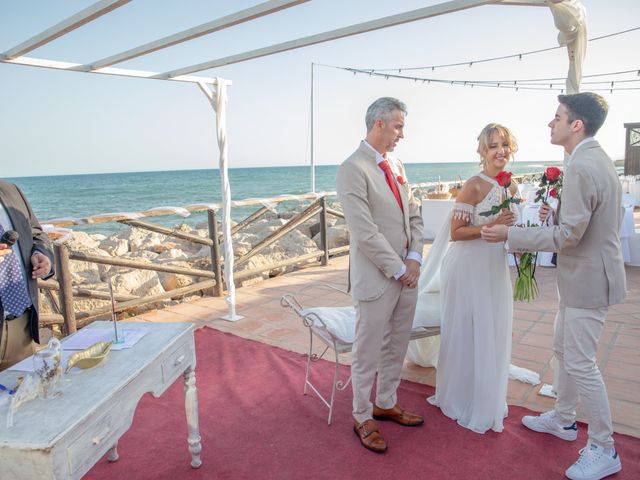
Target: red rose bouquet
526,287
550,185
504,180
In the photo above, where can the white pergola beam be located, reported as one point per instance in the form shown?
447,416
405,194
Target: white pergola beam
121,72
77,20
524,3
393,20
227,21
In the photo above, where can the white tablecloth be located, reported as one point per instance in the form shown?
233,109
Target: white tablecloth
627,229
434,213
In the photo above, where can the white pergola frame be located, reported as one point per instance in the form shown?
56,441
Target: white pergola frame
215,88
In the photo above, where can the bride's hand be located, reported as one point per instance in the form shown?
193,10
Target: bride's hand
506,217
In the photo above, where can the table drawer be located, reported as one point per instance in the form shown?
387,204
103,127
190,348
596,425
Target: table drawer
176,362
92,444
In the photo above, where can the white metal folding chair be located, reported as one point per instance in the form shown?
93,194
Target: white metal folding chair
335,328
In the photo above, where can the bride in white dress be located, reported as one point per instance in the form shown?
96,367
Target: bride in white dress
475,298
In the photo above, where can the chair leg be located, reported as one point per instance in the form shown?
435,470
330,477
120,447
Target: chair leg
334,384
309,356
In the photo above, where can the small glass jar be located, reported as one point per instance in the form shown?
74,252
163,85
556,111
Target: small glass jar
47,363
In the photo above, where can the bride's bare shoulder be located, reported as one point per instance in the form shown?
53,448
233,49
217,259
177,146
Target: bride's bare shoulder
471,192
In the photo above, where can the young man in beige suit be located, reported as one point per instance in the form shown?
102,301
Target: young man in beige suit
384,265
591,277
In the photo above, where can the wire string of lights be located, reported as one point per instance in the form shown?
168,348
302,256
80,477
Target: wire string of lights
555,83
519,56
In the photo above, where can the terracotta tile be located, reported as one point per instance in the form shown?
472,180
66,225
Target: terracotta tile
625,371
522,325
542,328
625,355
518,390
537,340
528,352
532,315
627,413
622,389
628,341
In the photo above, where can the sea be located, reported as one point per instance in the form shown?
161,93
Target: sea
62,196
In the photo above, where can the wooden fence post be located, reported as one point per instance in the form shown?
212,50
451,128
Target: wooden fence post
66,291
218,291
323,231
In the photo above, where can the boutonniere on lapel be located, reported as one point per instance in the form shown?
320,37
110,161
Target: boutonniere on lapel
401,180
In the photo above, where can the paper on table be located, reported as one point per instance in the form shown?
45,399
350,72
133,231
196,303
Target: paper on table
88,336
26,365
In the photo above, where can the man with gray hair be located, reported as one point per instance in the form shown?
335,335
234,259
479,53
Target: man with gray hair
384,266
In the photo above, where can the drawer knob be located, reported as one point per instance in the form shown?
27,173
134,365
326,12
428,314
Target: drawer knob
179,360
98,438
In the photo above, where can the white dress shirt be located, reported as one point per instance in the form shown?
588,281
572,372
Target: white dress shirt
411,255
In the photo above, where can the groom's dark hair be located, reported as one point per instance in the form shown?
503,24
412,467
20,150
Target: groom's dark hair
588,107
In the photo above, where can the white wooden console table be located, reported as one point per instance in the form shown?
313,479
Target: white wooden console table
62,438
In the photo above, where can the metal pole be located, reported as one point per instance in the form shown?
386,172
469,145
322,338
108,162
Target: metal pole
313,168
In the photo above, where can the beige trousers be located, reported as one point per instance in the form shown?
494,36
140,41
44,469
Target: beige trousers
383,329
575,343
16,343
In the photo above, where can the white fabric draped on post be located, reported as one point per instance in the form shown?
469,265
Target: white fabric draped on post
569,17
218,99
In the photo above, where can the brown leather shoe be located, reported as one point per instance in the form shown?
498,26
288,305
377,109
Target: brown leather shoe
398,415
369,436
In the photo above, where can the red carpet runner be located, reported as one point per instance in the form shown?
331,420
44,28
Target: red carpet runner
256,424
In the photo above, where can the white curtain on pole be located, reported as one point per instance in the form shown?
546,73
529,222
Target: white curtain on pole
218,99
569,17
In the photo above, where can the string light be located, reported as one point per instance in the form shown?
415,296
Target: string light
525,84
506,57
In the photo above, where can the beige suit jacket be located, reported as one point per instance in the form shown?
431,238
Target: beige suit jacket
381,235
590,265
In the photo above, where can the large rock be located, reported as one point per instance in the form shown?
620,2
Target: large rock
87,272
115,245
141,283
81,242
171,281
337,236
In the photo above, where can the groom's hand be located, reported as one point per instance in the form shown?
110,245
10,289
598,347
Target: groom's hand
494,234
410,277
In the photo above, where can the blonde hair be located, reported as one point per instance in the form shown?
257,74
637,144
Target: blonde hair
484,139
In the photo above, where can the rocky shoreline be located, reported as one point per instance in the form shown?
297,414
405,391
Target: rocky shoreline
142,245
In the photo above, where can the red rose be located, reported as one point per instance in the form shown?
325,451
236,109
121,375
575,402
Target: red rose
401,180
504,178
553,193
553,173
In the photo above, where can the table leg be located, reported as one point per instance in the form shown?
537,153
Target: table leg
191,408
113,453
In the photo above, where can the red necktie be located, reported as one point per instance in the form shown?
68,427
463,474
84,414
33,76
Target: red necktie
388,175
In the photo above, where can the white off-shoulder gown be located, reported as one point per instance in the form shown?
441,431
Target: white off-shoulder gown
476,315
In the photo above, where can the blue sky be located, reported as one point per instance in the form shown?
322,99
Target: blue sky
55,122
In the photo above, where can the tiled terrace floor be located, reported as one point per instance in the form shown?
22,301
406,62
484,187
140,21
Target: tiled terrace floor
266,321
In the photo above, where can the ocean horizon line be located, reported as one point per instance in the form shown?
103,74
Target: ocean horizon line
537,162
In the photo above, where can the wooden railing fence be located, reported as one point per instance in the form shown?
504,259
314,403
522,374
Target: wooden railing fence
61,293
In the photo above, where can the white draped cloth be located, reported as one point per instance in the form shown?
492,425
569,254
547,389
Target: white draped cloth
569,17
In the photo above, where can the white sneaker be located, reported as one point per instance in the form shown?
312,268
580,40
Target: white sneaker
549,422
594,464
